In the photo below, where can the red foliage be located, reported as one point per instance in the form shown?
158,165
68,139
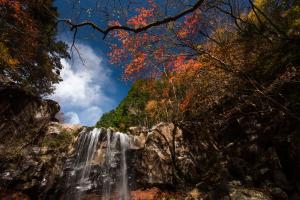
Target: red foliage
154,52
142,18
136,64
189,25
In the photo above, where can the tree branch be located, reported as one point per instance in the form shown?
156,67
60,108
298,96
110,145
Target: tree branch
267,18
166,20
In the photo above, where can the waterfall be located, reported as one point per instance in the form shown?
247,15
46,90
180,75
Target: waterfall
107,179
112,151
85,150
124,146
108,176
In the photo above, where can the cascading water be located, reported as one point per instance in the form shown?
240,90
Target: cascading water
113,153
124,145
107,179
85,151
106,175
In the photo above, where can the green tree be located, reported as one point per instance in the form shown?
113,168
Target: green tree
130,111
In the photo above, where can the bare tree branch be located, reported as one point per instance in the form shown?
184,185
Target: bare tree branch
166,20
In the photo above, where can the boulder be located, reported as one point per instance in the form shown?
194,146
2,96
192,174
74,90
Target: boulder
163,157
226,192
240,193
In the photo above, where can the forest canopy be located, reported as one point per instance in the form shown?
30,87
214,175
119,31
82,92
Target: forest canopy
221,50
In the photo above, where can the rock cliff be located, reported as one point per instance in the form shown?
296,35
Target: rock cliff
33,145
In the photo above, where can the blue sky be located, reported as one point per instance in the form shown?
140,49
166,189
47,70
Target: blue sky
91,87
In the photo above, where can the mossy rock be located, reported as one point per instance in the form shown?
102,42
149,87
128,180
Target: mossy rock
60,142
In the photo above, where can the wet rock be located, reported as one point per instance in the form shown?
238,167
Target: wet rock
164,156
230,192
278,194
281,180
99,157
240,193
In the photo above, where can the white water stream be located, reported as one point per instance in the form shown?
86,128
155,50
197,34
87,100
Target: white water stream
114,185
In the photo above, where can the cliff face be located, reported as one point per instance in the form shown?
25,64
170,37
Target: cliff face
21,113
159,164
247,152
33,146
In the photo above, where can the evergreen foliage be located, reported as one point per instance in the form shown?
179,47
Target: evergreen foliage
130,111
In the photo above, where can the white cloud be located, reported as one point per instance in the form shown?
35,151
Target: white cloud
83,89
91,115
72,117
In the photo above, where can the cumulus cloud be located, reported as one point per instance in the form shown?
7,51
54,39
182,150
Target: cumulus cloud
82,93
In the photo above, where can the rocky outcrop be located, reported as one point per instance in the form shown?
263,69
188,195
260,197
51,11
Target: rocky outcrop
22,117
33,146
221,166
158,157
164,157
35,169
167,160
